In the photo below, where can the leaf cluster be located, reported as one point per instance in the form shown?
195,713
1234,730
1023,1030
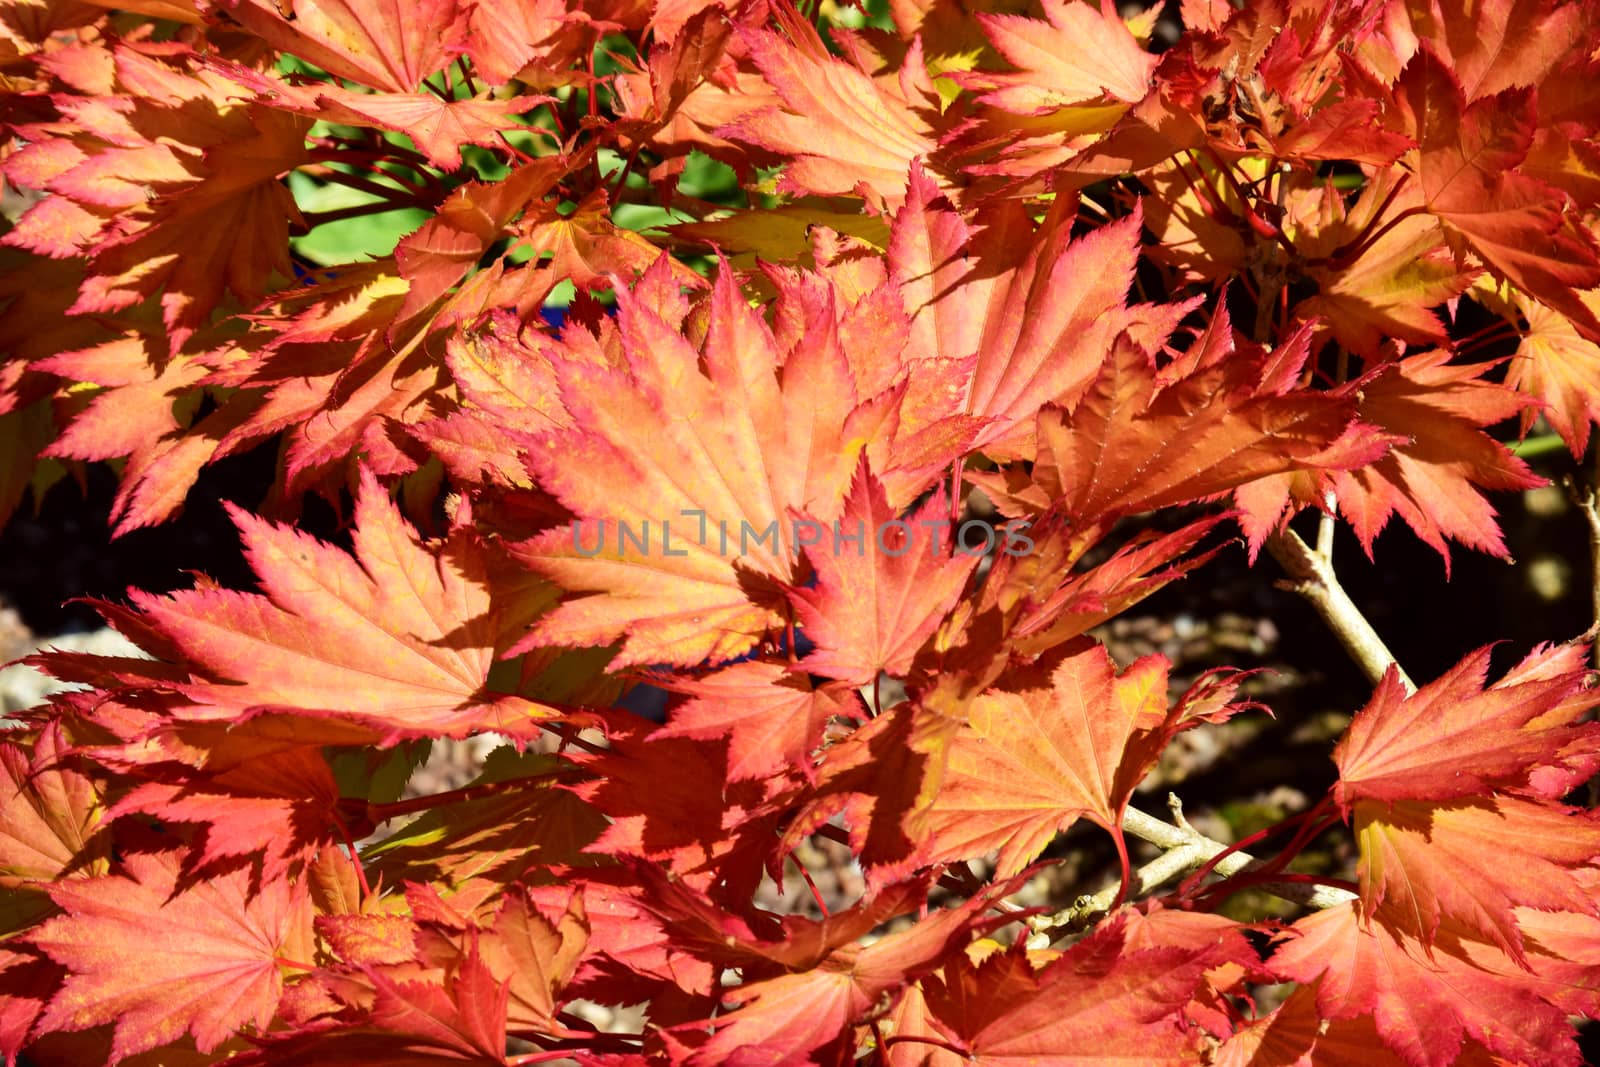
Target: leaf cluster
716,321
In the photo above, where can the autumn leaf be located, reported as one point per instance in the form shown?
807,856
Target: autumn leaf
26,982
461,1019
1426,862
1454,738
536,956
280,806
1226,417
472,847
508,391
1433,479
138,411
1505,45
218,965
771,714
585,246
1055,600
365,41
1425,1004
445,248
1099,1002
1394,286
1467,161
807,985
685,469
170,129
627,952
49,812
1558,365
1046,750
1039,309
882,779
333,379
672,800
397,640
689,48
903,568
1077,55
844,131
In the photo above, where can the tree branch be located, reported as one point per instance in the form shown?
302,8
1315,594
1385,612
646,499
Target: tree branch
1311,575
1186,849
1589,504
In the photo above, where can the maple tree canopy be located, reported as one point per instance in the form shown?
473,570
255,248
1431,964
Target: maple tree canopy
837,371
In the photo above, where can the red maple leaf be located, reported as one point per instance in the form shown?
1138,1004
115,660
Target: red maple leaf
278,805
1433,475
1455,739
806,982
1424,1003
1222,417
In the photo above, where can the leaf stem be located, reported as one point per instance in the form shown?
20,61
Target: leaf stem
396,808
1365,238
313,219
1185,849
395,197
355,856
1344,259
925,1039
1252,217
816,894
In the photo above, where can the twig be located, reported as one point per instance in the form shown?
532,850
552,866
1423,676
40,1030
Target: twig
1311,575
1325,532
1589,504
1186,849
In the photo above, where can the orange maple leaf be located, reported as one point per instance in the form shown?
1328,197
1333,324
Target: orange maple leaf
1503,737
1217,419
770,713
1558,365
217,969
1426,861
1432,481
1043,750
169,187
1076,56
1038,309
685,468
370,42
396,642
1467,159
843,130
1100,1002
909,571
49,812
